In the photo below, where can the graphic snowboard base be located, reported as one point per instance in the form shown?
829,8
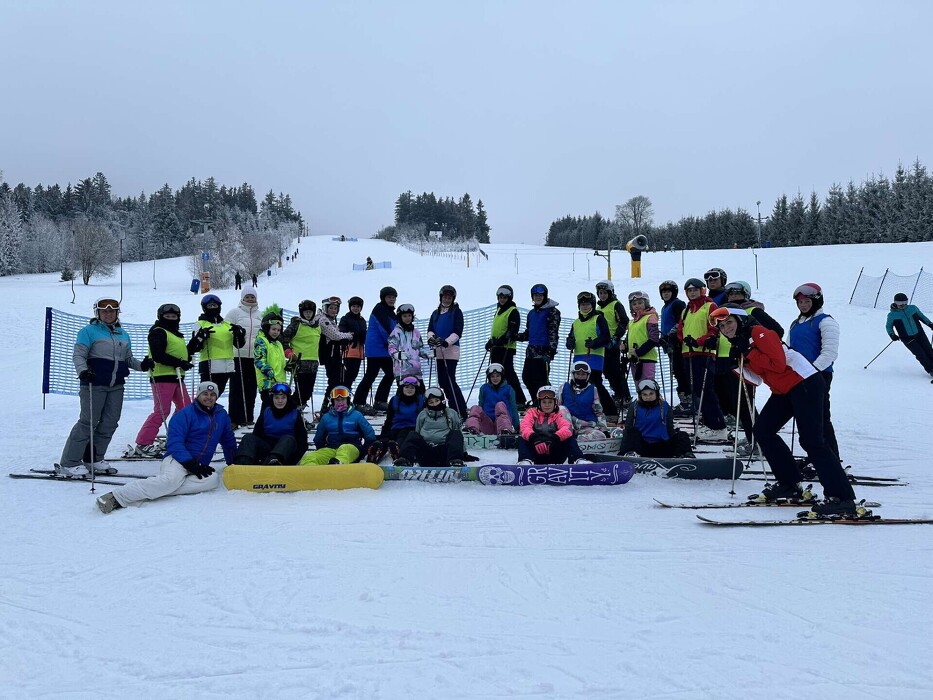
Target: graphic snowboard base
283,478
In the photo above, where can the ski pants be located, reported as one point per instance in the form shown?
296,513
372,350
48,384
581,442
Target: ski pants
447,380
374,365
616,374
727,392
605,398
333,366
108,405
561,451
220,379
242,391
257,450
804,403
701,366
417,450
679,368
351,370
535,375
304,384
829,432
345,454
172,480
506,358
484,425
676,446
919,345
164,394
643,369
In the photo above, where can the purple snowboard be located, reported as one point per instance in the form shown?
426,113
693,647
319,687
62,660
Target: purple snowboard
605,474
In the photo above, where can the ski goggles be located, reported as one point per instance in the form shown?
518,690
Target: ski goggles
712,276
108,305
330,300
648,385
281,389
581,367
539,289
275,322
405,309
724,312
410,381
340,392
169,309
900,304
806,290
503,292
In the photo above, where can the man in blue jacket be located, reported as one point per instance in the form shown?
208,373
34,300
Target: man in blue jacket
193,435
904,324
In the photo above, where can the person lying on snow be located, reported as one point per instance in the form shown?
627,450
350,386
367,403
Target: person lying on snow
437,440
403,412
649,426
280,435
546,436
193,435
340,432
497,411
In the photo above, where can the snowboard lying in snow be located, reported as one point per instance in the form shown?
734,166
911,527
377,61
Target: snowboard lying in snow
311,477
610,473
510,442
680,467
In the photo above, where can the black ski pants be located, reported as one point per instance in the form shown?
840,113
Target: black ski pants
701,367
919,345
374,365
805,404
535,374
506,358
258,450
418,451
676,446
447,380
242,391
351,370
561,451
615,371
605,398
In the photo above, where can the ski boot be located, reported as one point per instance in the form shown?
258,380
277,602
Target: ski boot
100,468
836,509
777,491
148,451
107,503
77,471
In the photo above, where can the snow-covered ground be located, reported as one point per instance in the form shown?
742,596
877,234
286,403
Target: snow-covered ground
455,591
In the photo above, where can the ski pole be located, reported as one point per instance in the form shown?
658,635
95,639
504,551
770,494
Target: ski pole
476,378
702,394
158,398
91,424
569,367
692,407
181,388
735,441
661,372
793,431
879,354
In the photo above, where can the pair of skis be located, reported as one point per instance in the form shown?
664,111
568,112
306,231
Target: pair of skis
868,519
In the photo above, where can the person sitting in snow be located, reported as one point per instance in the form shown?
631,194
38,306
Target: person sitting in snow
649,426
280,435
403,412
437,440
193,435
546,437
497,412
340,432
580,404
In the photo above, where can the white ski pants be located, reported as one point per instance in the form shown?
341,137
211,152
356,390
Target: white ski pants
173,480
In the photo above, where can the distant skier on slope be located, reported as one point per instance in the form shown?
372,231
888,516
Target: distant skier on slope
904,324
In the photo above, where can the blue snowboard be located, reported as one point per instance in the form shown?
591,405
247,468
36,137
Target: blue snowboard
606,474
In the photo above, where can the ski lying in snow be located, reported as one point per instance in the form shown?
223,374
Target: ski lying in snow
852,480
59,477
752,504
812,475
107,472
873,520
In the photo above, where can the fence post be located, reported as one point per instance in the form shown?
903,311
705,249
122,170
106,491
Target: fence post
914,290
852,295
47,354
875,305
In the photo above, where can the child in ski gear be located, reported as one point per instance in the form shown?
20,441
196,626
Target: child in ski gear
381,322
797,392
649,426
172,358
815,335
333,344
644,336
243,384
716,280
216,340
615,367
269,356
496,413
671,312
302,338
340,432
280,436
501,344
699,342
352,322
103,357
445,328
437,440
403,412
580,404
542,331
588,339
369,263
406,347
546,437
904,324
193,435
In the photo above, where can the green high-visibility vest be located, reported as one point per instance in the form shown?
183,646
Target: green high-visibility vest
638,336
500,324
307,342
174,346
583,330
219,345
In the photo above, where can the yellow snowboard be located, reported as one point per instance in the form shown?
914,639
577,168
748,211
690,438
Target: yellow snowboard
262,478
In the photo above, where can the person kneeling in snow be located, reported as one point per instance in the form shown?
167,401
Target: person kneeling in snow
649,426
280,436
546,436
340,432
437,440
193,435
497,412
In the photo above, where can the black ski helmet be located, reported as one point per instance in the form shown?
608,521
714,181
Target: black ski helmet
306,305
586,298
448,289
694,283
739,287
168,309
539,289
668,286
387,291
716,273
899,298
505,290
269,319
354,301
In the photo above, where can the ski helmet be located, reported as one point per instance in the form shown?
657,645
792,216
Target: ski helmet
668,286
581,366
607,285
547,392
506,291
330,301
813,291
586,298
106,304
716,273
307,305
634,296
494,367
648,384
405,309
539,289
387,292
168,309
354,301
694,283
210,300
901,298
269,320
435,392
340,392
727,310
739,287
448,289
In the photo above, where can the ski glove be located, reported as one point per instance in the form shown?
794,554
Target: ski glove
146,364
184,365
570,344
489,345
711,342
443,343
894,337
86,375
543,448
589,343
691,342
204,333
202,471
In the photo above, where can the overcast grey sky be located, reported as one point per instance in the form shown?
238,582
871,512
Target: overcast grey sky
540,109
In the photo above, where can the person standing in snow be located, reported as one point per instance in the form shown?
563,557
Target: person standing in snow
615,369
445,328
303,340
406,348
382,320
216,340
903,324
333,345
644,336
502,336
588,339
193,435
243,384
671,312
716,280
269,356
542,333
103,357
353,322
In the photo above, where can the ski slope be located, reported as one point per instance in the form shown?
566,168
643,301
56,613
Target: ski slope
464,591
